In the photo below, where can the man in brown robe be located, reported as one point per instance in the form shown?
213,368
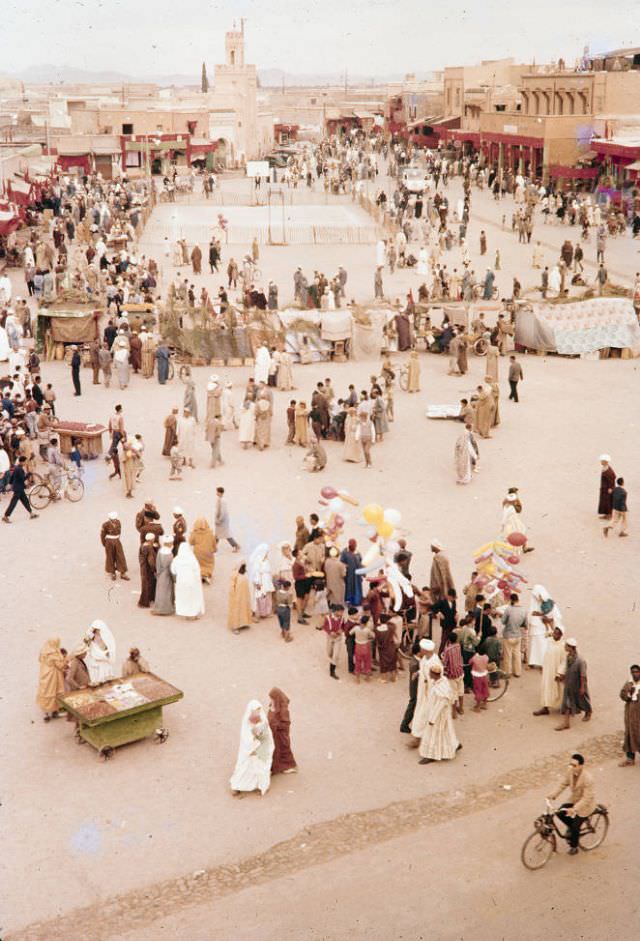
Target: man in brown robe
607,483
135,352
482,416
148,521
440,579
147,559
630,695
170,432
114,559
179,529
76,674
196,259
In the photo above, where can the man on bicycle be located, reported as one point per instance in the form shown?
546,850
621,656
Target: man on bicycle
582,802
56,467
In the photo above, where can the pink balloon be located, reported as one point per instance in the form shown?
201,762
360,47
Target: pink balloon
517,539
338,521
513,560
329,493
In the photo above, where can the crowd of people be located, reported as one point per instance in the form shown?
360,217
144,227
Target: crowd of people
447,653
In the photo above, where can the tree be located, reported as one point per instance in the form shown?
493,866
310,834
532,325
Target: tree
204,82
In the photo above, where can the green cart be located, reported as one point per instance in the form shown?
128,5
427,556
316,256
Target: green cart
120,711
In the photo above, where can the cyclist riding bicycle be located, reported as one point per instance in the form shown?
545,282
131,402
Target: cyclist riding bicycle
582,803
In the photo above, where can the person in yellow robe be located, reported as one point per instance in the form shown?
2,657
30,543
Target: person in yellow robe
51,679
239,614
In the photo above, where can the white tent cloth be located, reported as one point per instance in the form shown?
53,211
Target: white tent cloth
583,327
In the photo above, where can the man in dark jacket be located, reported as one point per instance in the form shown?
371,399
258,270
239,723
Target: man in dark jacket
76,362
18,481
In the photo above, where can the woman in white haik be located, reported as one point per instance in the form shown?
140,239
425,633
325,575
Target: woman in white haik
101,653
253,764
188,583
541,605
260,581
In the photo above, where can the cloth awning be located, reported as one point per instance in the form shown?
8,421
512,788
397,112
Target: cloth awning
634,166
557,171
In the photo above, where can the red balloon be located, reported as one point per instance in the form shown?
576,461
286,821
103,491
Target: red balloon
329,493
513,560
502,585
517,539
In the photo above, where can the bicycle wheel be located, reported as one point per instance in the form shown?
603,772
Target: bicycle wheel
480,347
171,373
594,830
497,692
184,372
537,850
40,497
75,489
403,381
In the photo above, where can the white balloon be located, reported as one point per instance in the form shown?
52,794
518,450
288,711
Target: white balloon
393,516
392,546
336,505
371,531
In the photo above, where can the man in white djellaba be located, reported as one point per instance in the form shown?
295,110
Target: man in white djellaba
439,741
253,764
262,364
187,437
101,653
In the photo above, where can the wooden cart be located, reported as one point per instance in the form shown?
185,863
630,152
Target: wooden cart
120,711
88,436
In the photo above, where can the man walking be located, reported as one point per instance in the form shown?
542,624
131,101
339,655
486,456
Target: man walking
516,375
18,479
630,695
221,520
619,509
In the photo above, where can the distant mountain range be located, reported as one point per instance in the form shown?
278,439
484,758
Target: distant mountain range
269,78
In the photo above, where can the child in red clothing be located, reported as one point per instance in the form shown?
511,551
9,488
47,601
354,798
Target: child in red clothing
480,678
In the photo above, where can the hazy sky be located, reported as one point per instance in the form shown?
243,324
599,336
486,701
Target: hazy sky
369,37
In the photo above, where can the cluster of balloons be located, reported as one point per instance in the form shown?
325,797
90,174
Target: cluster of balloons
495,563
384,522
382,526
336,502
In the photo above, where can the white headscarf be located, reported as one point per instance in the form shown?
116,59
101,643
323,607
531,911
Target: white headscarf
539,594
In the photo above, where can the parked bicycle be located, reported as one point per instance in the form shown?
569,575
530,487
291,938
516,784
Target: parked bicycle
540,846
68,484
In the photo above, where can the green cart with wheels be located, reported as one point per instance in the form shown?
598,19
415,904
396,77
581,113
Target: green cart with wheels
120,711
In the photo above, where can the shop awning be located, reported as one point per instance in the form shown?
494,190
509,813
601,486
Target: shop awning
634,166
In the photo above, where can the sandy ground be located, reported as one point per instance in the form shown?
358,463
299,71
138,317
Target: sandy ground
450,883
88,830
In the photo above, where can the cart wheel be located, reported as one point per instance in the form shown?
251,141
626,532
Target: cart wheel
160,736
107,752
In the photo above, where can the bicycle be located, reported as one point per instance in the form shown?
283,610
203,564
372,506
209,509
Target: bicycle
539,847
70,486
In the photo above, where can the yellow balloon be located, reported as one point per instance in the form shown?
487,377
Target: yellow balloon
385,529
373,513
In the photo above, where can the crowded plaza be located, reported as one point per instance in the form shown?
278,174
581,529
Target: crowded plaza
307,534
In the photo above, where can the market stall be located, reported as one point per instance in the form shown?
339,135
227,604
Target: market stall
120,711
59,326
580,328
88,437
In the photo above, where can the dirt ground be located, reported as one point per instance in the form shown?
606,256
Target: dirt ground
87,831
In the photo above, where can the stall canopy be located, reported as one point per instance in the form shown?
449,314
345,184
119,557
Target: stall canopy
9,220
70,325
583,327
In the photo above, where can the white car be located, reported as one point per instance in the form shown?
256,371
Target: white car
414,179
